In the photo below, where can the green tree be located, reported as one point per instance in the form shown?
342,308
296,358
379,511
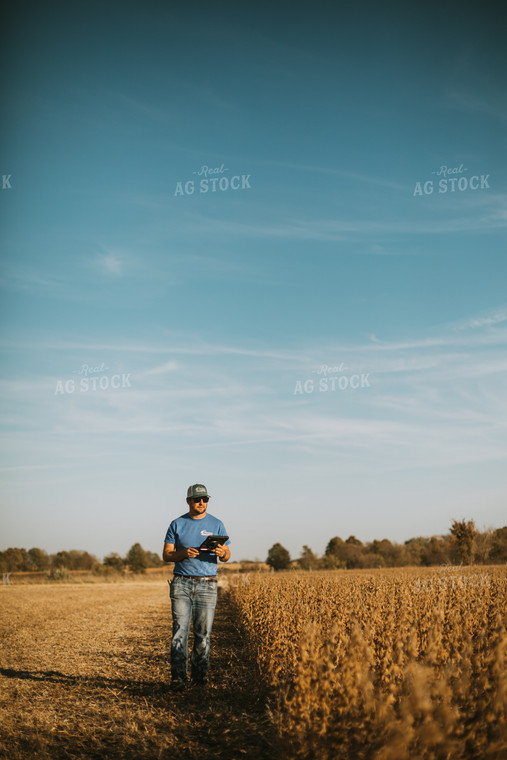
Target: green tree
483,546
115,562
62,559
416,550
437,551
278,557
81,560
334,547
332,562
38,558
384,549
308,560
372,558
345,554
353,556
464,534
154,559
498,551
16,559
393,555
87,561
137,559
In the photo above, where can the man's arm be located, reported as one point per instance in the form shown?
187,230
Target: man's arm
169,555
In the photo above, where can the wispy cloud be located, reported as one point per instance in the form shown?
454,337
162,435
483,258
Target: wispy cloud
174,344
368,179
466,100
112,262
493,317
24,277
352,230
433,399
163,369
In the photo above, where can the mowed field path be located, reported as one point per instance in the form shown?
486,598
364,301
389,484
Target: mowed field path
84,673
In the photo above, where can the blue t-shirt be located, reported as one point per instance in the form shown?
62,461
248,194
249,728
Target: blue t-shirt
187,531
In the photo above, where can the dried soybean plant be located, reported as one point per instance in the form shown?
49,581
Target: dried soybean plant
383,665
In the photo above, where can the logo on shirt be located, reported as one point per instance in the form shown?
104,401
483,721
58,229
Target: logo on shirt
206,533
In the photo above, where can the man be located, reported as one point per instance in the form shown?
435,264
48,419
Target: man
194,585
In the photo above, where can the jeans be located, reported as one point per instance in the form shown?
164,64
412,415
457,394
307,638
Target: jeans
191,600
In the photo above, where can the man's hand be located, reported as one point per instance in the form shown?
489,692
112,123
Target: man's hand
223,552
170,555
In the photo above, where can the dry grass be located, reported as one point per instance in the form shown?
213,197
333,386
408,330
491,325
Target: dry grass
104,575
85,674
383,665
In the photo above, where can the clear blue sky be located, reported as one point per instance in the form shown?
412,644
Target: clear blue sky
356,230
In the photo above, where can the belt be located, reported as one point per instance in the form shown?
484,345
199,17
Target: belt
209,578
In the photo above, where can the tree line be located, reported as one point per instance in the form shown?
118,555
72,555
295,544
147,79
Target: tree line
464,544
136,560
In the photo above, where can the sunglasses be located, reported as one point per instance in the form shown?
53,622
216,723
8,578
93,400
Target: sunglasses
205,499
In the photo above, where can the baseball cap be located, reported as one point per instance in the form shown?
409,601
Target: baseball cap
196,490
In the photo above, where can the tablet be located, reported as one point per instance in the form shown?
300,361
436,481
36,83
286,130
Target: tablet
211,542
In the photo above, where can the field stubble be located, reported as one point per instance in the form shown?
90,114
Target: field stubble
85,673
